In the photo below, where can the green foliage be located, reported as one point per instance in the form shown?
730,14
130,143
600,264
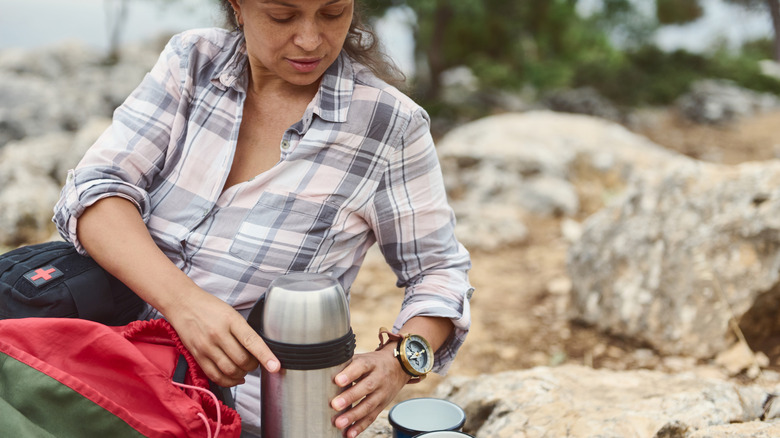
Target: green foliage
547,45
507,44
743,67
650,76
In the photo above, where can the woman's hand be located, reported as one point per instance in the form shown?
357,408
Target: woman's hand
378,377
219,338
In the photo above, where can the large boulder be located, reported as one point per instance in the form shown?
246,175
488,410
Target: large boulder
721,101
503,168
685,252
585,100
28,189
62,87
32,172
580,402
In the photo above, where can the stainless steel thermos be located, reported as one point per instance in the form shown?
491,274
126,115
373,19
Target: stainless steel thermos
304,320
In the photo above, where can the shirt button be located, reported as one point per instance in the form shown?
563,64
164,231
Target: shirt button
285,145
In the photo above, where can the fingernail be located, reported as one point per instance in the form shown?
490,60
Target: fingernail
341,380
272,365
339,404
342,423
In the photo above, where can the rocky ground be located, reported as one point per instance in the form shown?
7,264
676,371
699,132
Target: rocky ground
520,308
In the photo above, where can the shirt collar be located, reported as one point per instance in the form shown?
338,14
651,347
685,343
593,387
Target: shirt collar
331,103
232,75
332,100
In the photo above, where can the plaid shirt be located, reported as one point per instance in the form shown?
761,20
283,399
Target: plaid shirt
360,167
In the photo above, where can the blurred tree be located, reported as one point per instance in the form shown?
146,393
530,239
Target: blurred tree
677,11
506,43
548,44
116,17
774,12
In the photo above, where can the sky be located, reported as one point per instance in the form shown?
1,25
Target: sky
722,22
23,25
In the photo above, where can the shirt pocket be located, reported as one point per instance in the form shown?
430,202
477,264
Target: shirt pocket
283,232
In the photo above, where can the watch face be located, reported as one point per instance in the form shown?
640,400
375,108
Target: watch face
417,355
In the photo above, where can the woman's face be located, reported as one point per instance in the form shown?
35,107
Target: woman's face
294,40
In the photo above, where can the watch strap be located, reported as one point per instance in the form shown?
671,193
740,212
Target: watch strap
397,338
390,337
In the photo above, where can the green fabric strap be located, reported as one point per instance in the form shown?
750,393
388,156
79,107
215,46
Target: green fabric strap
34,405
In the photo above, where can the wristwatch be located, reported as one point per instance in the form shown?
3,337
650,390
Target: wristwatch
412,351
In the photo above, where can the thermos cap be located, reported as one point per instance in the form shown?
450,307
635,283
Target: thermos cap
305,308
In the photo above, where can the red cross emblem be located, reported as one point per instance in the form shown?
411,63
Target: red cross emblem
44,274
41,276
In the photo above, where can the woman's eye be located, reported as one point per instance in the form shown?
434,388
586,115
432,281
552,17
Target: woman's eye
281,19
333,15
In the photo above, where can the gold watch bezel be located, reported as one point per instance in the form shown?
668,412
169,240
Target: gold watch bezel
407,366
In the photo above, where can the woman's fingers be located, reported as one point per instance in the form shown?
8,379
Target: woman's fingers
221,341
251,342
371,381
366,412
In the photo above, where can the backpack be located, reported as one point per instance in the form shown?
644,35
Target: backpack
53,280
64,377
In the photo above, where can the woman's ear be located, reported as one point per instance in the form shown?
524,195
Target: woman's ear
237,19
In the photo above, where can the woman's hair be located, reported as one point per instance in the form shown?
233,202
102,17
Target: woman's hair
362,45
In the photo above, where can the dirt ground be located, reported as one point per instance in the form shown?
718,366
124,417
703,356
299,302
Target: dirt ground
520,315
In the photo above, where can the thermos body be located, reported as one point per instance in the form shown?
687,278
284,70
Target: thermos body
304,320
296,403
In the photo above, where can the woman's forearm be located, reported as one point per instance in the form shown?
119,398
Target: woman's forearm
114,234
219,338
435,330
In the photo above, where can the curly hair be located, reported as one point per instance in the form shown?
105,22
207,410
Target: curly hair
362,45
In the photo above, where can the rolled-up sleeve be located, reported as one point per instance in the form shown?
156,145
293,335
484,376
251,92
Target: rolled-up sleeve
415,231
130,154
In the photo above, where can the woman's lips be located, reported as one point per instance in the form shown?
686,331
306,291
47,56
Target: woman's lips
305,65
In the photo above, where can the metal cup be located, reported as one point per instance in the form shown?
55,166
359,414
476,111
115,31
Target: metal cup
444,434
418,415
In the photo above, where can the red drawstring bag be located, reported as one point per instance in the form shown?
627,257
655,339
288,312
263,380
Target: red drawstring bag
64,377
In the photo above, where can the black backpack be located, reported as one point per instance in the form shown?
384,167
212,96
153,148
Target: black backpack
53,280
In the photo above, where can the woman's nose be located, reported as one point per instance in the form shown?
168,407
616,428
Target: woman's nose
309,36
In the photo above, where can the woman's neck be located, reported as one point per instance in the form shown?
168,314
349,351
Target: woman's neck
265,84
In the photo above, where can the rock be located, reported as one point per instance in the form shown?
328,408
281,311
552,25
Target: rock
585,100
500,224
26,209
571,230
682,253
32,156
576,401
29,106
80,142
40,89
459,84
721,101
548,196
32,172
536,163
28,189
737,359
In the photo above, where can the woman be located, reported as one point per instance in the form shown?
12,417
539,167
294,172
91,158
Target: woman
270,149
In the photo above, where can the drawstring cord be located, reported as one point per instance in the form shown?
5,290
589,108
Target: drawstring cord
203,417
